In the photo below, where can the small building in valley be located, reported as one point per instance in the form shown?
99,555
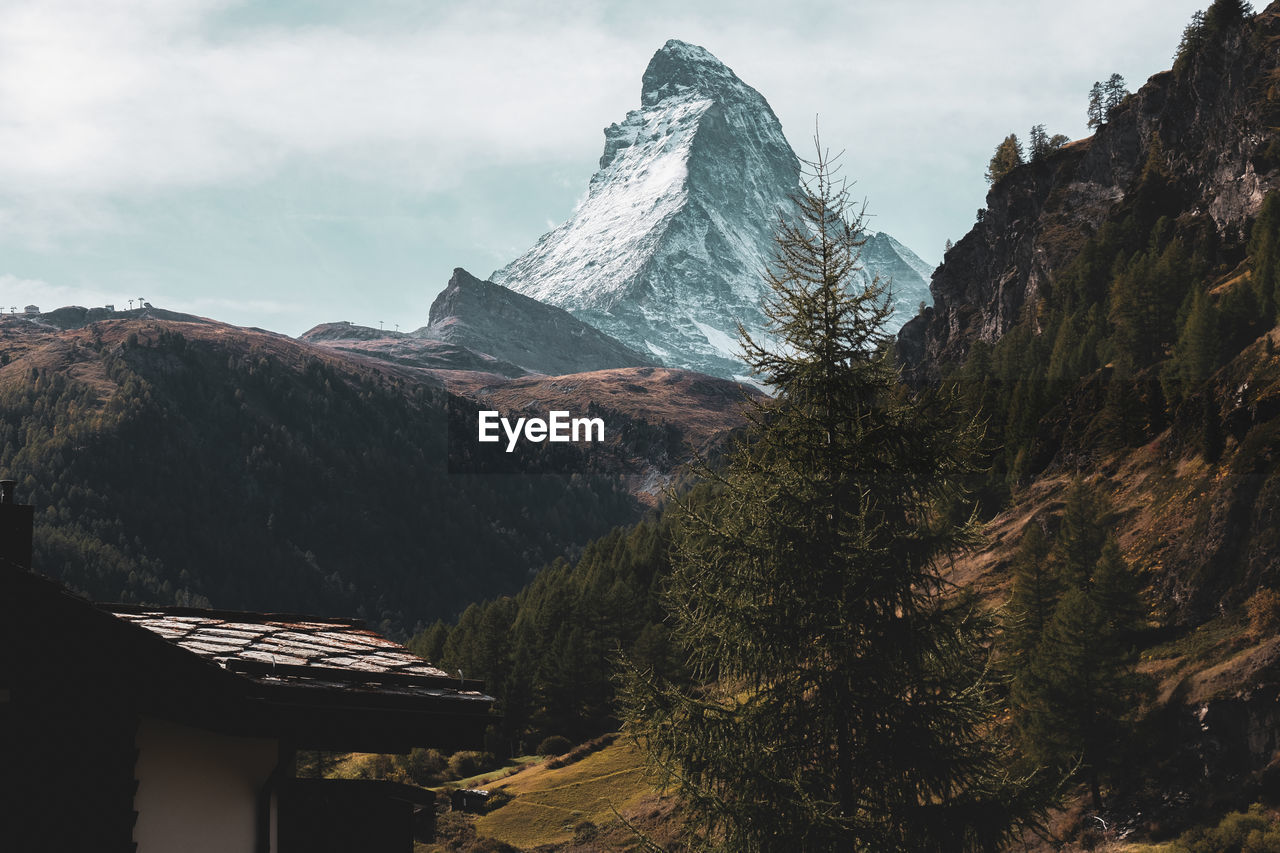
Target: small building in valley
154,729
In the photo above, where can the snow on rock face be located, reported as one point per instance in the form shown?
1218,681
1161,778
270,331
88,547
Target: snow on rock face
666,252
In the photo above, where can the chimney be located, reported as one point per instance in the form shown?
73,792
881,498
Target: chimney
15,528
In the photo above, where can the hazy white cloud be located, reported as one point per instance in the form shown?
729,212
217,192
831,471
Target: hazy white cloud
130,96
137,95
130,128
19,292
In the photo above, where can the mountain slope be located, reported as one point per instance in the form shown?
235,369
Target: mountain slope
182,462
666,251
1112,317
1120,294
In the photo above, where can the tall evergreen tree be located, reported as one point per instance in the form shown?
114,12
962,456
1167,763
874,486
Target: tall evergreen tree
1264,256
1113,93
1190,43
1032,599
1073,687
1097,115
1008,156
1222,14
1195,355
841,700
1038,142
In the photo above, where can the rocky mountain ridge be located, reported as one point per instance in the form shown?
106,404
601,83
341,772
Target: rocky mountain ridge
487,317
478,326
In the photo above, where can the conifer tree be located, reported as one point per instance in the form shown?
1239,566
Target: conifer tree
1190,43
1195,355
1038,142
1073,687
840,698
1113,93
1008,157
1042,144
1264,256
1096,113
1222,14
1034,594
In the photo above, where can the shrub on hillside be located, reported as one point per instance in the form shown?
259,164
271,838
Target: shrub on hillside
554,745
1264,613
470,762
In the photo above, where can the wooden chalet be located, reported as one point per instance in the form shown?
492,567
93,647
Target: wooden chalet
156,729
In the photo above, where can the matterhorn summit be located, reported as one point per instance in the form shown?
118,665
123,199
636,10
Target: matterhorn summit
666,251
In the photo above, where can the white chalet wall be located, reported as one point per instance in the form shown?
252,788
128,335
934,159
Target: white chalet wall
198,791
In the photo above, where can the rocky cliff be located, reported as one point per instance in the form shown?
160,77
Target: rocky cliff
1112,317
1206,126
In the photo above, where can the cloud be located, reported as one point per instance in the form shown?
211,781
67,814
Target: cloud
178,143
129,96
19,292
136,96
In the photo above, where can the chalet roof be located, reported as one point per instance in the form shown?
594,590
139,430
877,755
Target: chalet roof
314,683
275,647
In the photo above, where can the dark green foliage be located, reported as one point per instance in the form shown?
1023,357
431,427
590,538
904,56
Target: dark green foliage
1197,352
1041,145
1068,644
1008,157
213,476
429,644
1193,38
1038,143
839,698
1096,112
1113,94
1125,332
1264,257
1206,30
425,766
554,745
1223,14
548,653
1035,592
1252,831
469,763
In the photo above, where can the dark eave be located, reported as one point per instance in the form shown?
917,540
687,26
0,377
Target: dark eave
315,683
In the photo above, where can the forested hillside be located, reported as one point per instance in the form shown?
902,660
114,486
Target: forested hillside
1121,291
550,652
196,463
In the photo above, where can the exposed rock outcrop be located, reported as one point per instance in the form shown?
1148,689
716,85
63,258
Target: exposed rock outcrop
487,317
1205,125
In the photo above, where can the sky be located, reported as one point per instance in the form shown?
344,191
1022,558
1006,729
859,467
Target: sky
283,164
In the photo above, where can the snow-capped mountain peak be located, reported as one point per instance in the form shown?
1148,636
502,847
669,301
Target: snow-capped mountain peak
666,251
